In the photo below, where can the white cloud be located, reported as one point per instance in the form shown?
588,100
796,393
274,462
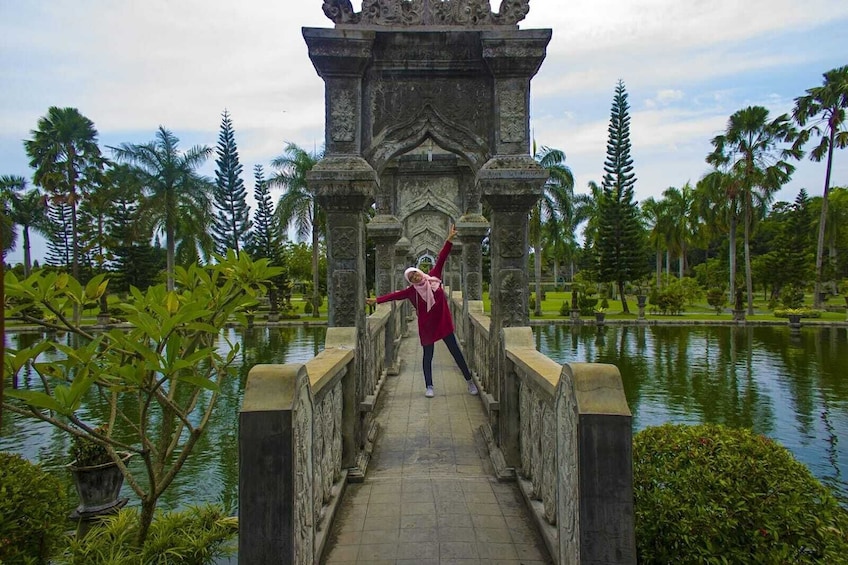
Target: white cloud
131,66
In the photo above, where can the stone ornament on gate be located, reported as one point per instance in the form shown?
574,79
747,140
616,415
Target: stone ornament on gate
465,13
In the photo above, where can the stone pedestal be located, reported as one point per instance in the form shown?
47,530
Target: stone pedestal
640,301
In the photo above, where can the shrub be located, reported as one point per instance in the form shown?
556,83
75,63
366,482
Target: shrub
710,494
34,510
586,304
803,312
87,453
792,296
532,303
307,307
195,536
717,298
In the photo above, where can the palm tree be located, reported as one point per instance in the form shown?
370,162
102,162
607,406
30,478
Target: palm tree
554,205
824,108
67,160
298,206
173,189
10,188
750,150
657,219
680,203
28,210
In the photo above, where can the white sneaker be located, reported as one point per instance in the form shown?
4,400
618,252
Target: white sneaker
429,392
472,388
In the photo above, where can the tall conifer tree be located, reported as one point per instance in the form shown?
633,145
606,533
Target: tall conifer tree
621,238
266,236
232,214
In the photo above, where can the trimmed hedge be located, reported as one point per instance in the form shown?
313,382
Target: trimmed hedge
710,494
33,512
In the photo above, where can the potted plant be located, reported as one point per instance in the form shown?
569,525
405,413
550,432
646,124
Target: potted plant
794,315
96,475
600,314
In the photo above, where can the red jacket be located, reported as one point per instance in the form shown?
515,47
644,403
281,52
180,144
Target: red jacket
437,323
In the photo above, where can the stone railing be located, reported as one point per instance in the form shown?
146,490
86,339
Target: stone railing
292,442
473,333
575,453
570,446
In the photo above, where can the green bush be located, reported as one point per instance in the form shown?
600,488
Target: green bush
87,453
586,304
307,307
710,494
717,298
792,297
803,312
33,511
195,536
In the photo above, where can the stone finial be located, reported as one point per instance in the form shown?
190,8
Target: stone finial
403,13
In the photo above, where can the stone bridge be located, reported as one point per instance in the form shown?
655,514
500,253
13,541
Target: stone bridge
427,124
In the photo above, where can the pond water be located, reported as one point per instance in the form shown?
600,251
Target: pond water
790,386
211,473
787,384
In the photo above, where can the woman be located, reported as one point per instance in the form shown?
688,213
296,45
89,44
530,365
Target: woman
434,317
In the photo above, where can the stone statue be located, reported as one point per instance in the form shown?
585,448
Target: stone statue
464,13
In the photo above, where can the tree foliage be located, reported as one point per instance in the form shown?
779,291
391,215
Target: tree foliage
231,224
620,244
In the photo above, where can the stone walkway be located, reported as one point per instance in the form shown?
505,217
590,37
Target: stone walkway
430,496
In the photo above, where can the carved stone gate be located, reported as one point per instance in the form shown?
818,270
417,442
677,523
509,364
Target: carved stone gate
427,120
427,116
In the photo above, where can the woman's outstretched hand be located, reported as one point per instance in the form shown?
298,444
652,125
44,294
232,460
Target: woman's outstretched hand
451,232
370,301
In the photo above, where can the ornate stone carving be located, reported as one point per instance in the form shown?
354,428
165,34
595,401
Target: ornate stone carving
328,424
568,480
344,289
511,241
304,519
512,116
318,450
466,13
340,11
510,294
536,445
525,446
337,432
385,282
344,243
549,485
472,281
342,116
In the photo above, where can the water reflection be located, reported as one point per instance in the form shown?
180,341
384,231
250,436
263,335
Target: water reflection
787,385
211,473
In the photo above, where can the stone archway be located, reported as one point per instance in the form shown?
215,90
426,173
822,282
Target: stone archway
400,73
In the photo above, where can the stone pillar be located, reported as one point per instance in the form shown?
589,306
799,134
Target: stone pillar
385,231
471,229
402,262
344,187
510,183
453,277
510,186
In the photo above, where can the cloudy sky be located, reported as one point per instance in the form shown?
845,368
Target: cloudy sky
132,65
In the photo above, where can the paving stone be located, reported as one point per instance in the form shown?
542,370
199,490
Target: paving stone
430,496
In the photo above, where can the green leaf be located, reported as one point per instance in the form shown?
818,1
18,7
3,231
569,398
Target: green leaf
36,399
200,382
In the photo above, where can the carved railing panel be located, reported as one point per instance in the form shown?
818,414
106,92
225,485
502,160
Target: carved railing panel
291,440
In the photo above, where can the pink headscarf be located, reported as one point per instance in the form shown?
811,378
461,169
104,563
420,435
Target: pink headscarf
426,287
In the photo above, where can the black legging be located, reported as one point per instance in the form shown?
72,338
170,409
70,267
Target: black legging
453,347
